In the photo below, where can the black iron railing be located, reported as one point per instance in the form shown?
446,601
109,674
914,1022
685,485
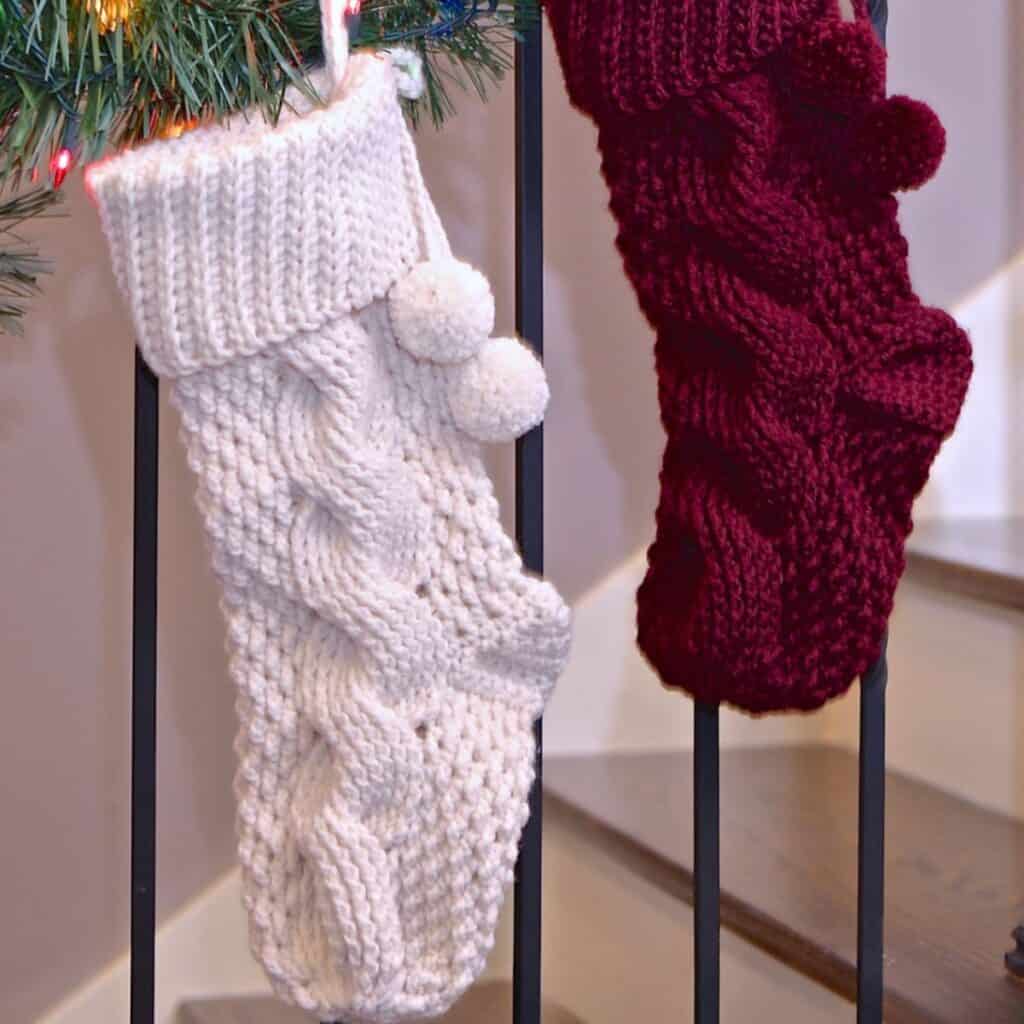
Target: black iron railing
526,978
530,535
144,678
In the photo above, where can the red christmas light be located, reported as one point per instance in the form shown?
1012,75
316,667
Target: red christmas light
353,6
60,165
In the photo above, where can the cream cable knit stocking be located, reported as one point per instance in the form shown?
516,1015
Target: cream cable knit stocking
334,374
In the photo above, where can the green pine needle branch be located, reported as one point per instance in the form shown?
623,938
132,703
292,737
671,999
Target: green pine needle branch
20,264
64,83
62,80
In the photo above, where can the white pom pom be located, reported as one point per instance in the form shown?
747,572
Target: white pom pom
501,394
443,311
409,77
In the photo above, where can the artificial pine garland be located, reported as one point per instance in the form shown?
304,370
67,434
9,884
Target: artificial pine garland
20,265
79,77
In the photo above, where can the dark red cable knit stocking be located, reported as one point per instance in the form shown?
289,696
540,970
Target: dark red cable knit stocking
751,156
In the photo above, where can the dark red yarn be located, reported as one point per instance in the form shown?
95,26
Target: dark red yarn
751,156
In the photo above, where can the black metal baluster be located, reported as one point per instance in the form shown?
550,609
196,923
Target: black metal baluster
706,863
526,984
1015,959
880,17
871,845
871,834
144,582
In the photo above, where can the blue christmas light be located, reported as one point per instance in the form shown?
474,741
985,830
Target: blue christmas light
451,12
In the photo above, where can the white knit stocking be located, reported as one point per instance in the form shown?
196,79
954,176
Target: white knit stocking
335,377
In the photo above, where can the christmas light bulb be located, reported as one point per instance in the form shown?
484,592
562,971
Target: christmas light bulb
111,13
60,165
353,6
179,128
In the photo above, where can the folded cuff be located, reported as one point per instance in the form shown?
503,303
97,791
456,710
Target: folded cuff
636,55
238,236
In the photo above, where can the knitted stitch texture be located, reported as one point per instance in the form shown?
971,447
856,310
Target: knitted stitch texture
334,374
751,155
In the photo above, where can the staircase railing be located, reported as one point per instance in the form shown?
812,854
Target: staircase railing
530,535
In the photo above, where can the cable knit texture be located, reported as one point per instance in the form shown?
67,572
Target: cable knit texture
328,357
751,155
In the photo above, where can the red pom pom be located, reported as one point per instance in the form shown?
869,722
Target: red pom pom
898,145
838,65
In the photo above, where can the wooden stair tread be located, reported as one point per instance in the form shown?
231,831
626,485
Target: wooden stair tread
955,872
980,558
240,1010
487,1003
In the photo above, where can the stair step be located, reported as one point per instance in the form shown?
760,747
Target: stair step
979,558
955,872
488,1003
240,1010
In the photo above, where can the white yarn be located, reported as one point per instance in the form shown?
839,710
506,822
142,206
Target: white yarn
443,311
500,394
389,651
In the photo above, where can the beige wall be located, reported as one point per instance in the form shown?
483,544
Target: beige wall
65,564
964,59
65,456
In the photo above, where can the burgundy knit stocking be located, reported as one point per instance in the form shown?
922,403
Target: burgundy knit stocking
805,391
